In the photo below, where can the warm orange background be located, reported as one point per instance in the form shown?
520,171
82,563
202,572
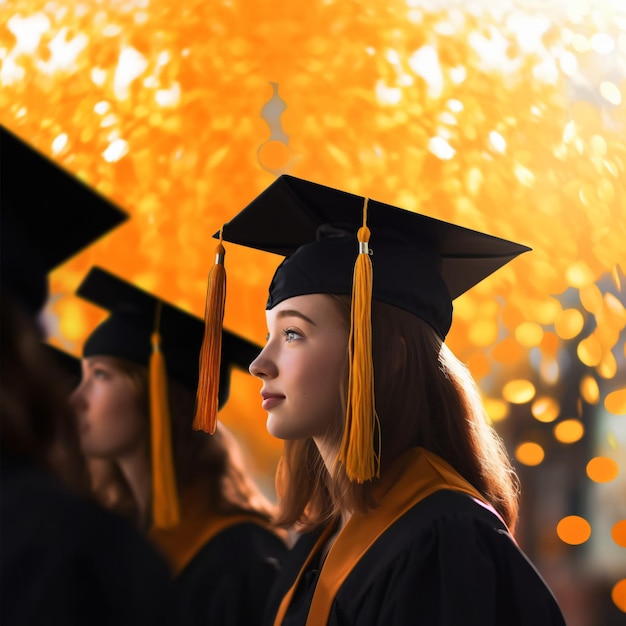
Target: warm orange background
507,120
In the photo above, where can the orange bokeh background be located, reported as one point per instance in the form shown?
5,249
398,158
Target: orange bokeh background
498,116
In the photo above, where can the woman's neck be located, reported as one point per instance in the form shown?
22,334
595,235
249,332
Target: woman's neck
329,453
136,469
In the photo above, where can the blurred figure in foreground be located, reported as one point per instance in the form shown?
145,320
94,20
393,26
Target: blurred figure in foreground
63,559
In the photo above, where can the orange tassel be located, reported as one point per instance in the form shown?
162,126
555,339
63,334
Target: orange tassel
165,504
357,452
207,397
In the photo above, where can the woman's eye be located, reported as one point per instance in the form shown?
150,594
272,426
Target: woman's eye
100,373
290,335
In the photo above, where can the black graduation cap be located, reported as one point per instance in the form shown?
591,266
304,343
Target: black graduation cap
127,332
66,364
46,216
419,263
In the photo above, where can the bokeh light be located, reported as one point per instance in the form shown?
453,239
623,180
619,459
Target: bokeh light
589,351
615,402
496,409
618,594
602,469
545,409
618,533
589,390
529,453
574,530
529,334
569,431
569,323
518,391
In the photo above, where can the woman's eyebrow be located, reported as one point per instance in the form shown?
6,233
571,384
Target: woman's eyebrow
293,313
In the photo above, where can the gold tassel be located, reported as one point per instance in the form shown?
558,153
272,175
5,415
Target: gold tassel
207,397
357,452
165,504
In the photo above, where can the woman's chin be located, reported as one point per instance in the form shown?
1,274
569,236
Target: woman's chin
280,430
276,431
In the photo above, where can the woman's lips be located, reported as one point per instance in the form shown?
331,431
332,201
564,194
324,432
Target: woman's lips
270,400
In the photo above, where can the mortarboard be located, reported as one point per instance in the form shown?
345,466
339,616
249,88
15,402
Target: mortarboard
127,332
148,331
340,243
419,263
67,364
47,216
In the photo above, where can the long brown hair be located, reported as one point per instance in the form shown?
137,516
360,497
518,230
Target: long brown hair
37,424
211,463
424,397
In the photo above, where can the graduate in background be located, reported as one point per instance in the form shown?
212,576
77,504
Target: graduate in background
63,559
406,496
188,491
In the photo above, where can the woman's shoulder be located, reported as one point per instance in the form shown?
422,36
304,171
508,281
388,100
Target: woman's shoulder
444,547
438,522
449,506
228,580
240,545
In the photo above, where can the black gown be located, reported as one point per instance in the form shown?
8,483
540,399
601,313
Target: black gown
228,581
448,561
65,561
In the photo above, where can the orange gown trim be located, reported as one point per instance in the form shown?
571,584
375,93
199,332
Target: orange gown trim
197,526
415,475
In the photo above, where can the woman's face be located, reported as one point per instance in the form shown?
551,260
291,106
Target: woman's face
111,423
303,366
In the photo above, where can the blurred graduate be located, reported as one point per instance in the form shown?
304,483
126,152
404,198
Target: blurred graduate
63,559
188,491
405,495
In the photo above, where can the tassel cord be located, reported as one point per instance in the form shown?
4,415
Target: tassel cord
362,428
207,396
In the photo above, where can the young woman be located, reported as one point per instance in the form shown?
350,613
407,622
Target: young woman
406,497
213,526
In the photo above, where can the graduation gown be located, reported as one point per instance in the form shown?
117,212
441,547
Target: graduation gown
445,560
64,561
224,566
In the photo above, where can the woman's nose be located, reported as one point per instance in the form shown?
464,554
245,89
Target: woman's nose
262,366
77,398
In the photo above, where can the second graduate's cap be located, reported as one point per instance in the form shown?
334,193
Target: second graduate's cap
47,216
127,332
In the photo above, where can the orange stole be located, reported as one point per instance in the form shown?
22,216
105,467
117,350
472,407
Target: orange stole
414,476
197,526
